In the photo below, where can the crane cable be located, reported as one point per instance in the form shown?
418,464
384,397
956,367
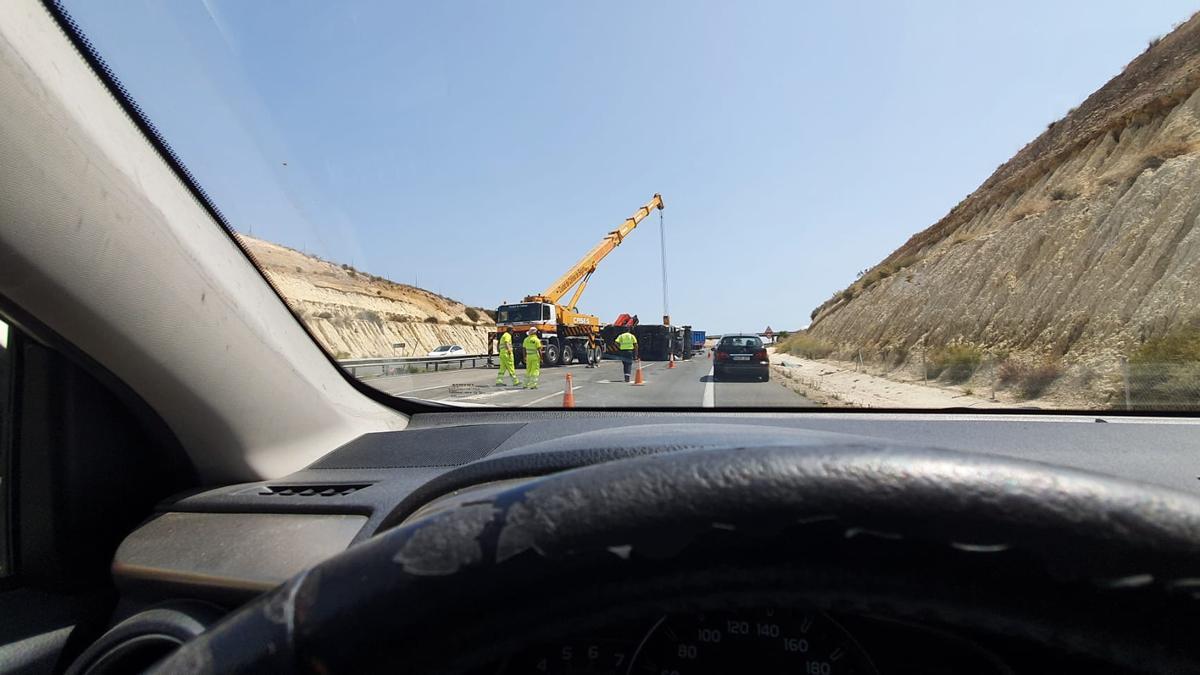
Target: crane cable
663,239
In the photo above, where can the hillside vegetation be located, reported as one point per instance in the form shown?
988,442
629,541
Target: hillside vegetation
359,315
1072,256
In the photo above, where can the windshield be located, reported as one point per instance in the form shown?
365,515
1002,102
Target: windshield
740,343
899,204
526,313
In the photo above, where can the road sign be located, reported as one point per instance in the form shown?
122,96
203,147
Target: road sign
768,332
398,345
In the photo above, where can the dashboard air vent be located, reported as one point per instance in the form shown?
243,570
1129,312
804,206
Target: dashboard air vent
339,490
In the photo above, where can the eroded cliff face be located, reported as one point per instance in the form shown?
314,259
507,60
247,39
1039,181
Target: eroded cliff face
1081,247
356,315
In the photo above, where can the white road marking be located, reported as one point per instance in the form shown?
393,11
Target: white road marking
708,400
557,393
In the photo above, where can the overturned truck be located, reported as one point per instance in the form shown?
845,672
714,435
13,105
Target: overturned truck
656,342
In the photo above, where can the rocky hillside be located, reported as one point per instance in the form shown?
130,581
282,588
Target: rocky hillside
358,315
1080,248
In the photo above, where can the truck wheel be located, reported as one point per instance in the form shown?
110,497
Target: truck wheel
551,354
568,354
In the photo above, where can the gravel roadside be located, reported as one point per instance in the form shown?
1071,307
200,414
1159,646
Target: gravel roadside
831,383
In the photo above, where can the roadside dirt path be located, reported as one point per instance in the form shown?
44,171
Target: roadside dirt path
831,383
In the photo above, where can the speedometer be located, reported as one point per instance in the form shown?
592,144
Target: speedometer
765,642
592,656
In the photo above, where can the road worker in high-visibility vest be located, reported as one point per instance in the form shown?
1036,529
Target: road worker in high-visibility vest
507,362
533,358
627,348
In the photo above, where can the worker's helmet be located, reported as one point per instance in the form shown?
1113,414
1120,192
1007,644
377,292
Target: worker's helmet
531,331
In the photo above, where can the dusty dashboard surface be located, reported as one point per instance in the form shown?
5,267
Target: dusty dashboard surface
262,533
381,479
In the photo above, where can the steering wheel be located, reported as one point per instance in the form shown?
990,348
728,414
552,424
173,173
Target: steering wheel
1069,560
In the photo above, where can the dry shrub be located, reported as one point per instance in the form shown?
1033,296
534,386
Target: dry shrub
1028,208
1152,158
1037,379
960,238
1173,148
1164,373
1009,372
957,363
1064,194
1030,381
805,346
1158,154
875,276
896,356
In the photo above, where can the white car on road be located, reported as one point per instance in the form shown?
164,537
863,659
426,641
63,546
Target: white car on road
447,351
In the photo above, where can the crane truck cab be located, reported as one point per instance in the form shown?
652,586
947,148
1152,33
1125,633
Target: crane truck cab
567,337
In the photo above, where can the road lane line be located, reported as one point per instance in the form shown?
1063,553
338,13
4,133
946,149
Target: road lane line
557,393
709,399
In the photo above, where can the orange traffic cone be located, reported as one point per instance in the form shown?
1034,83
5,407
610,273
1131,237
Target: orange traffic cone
637,376
569,394
670,361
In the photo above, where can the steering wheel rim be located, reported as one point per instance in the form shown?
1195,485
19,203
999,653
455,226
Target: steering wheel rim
1059,553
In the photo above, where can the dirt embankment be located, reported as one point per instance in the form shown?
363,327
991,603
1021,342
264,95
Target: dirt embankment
1077,250
358,315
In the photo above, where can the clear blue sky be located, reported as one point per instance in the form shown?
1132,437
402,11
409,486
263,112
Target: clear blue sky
479,148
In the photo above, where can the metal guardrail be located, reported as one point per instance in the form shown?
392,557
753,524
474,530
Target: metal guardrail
388,365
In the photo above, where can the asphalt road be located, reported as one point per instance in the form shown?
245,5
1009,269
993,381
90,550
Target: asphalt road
689,385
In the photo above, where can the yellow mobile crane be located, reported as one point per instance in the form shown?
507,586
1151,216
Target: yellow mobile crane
567,335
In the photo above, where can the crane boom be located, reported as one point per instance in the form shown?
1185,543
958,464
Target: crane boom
567,335
580,272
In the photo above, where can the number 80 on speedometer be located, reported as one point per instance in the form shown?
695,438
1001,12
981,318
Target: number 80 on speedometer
766,642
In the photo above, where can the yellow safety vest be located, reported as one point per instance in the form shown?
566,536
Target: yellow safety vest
532,344
626,342
505,342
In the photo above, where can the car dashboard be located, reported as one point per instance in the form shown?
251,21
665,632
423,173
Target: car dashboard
228,545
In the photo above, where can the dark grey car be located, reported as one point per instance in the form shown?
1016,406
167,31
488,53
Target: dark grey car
741,354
